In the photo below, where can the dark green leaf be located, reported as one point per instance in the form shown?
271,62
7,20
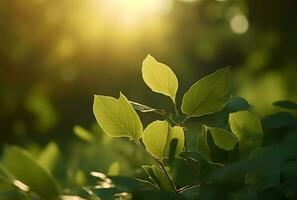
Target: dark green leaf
236,104
280,119
286,104
221,138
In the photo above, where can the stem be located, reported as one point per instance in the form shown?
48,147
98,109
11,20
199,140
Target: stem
172,120
185,119
159,162
168,177
175,108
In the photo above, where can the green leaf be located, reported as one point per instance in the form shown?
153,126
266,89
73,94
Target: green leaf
202,144
208,95
83,134
264,161
273,158
286,104
117,117
236,104
49,157
222,139
23,167
158,176
159,77
247,128
280,119
157,138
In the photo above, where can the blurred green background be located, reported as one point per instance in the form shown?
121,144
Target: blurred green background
56,54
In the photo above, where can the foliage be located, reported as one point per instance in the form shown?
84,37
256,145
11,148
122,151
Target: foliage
239,158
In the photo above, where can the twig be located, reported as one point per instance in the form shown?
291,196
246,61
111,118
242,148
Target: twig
160,163
175,108
168,177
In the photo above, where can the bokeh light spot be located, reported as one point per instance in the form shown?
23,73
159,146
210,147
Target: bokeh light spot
239,24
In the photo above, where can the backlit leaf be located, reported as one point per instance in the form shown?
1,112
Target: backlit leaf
159,77
208,95
157,138
117,117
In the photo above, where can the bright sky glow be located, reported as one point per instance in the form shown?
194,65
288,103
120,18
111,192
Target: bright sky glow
132,12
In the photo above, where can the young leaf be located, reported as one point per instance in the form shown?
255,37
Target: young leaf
117,117
208,95
157,138
222,139
159,77
247,128
23,167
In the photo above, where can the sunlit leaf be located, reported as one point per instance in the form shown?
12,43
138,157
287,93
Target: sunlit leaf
157,138
208,95
117,117
26,170
247,128
286,104
222,139
159,77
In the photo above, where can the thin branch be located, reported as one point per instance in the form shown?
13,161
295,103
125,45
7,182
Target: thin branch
175,108
168,177
185,119
172,120
160,163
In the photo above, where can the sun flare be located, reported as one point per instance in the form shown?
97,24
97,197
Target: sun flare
135,11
